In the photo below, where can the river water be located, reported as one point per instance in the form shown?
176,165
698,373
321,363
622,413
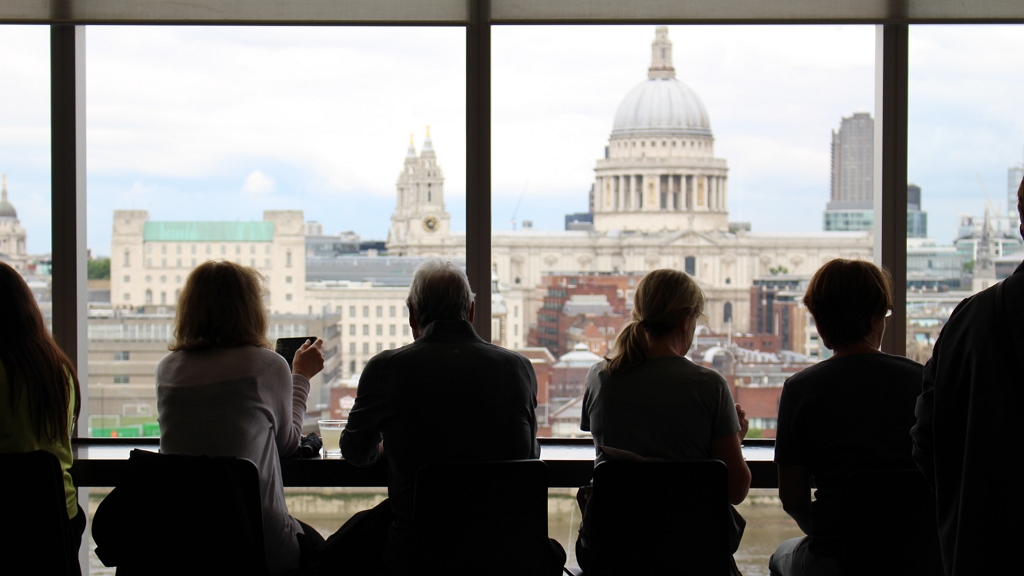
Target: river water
328,508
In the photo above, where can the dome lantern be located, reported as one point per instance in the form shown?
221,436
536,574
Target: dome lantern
661,55
661,105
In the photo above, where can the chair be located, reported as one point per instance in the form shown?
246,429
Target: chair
182,514
659,518
37,533
483,517
889,525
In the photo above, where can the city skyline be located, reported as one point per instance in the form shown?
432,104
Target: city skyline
156,141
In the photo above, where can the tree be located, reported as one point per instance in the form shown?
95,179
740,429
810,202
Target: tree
99,269
780,269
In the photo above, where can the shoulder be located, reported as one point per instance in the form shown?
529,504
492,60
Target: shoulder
900,363
593,379
694,372
382,360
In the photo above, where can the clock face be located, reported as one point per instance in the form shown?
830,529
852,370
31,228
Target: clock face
431,224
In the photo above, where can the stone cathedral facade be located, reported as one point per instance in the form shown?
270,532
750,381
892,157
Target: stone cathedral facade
660,200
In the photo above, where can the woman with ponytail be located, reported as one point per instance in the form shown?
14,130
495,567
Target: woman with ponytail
648,401
39,390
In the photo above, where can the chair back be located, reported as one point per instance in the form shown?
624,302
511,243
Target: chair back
182,514
889,525
659,517
474,516
37,533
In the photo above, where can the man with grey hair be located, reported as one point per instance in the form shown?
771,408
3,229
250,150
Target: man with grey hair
449,396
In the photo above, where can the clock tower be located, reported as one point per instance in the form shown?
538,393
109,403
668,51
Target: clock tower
419,217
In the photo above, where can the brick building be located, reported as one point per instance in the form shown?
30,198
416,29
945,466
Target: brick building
568,297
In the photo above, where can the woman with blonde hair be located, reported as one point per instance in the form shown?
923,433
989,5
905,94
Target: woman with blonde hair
223,392
39,390
648,400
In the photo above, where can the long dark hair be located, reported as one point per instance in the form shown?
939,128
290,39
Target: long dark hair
38,371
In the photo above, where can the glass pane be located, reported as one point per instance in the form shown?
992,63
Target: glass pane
965,161
278,149
619,150
25,153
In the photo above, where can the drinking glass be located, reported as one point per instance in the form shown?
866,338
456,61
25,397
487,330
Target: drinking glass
330,433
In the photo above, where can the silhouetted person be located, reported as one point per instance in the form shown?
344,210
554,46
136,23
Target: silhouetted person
449,396
223,392
968,420
648,400
39,391
850,412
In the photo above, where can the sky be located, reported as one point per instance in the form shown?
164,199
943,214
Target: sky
196,123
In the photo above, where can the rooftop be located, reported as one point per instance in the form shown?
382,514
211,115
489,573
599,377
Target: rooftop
208,232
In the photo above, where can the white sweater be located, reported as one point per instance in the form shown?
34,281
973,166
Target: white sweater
241,402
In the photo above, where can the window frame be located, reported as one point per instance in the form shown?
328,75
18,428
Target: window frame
68,23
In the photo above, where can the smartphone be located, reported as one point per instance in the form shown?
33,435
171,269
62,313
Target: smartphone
287,346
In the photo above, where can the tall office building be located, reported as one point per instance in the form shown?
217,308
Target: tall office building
852,175
853,162
852,205
917,220
1015,174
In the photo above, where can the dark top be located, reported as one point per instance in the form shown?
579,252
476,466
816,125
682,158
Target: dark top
843,415
447,397
965,440
667,408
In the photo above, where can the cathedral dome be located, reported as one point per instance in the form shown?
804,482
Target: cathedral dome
661,105
7,210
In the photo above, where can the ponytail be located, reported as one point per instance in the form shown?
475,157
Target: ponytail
630,346
663,299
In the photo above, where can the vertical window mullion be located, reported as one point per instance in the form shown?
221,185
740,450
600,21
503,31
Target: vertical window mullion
478,162
67,188
891,73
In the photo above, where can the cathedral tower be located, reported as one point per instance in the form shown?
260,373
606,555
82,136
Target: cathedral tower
419,217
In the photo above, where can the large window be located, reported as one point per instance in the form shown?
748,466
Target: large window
25,157
278,149
965,160
619,150
774,96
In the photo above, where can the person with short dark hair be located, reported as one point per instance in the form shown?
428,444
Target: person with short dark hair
449,396
40,395
850,412
968,421
223,392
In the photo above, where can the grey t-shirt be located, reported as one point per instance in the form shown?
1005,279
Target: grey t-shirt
668,408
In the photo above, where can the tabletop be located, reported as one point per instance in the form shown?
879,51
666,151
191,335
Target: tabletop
570,461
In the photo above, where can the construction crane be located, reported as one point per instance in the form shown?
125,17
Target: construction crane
516,211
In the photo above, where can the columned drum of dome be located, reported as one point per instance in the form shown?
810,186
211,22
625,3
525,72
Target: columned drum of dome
659,172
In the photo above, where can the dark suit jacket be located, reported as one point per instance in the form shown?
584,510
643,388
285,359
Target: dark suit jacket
965,440
447,397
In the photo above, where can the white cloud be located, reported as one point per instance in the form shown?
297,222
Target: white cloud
258,183
327,110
